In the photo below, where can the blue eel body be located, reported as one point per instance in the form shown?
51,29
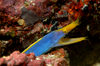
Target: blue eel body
48,41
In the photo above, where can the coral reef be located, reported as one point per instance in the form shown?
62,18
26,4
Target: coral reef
56,58
24,21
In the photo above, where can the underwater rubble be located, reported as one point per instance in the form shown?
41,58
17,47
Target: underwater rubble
22,22
55,58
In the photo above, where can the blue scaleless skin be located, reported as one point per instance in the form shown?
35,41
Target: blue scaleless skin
53,39
46,43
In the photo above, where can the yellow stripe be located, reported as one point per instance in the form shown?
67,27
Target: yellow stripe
31,45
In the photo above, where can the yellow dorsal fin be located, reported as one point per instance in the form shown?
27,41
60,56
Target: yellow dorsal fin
69,27
31,45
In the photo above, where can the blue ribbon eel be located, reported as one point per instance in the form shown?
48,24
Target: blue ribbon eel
54,39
